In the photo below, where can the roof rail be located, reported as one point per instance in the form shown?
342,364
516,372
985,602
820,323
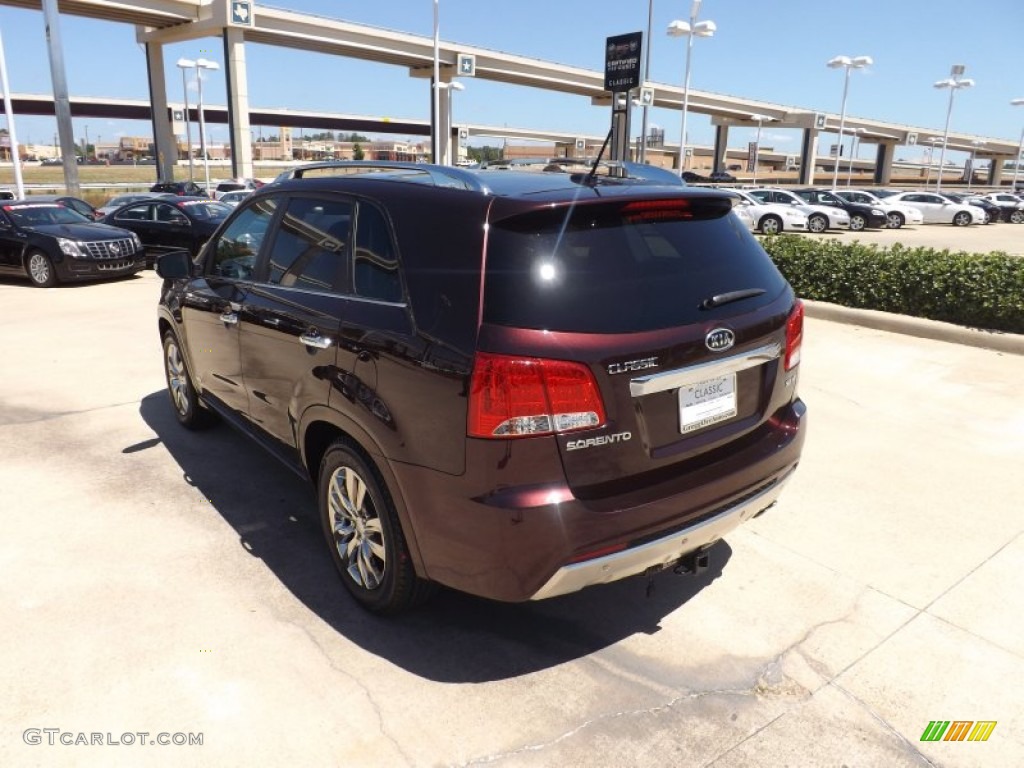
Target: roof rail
437,175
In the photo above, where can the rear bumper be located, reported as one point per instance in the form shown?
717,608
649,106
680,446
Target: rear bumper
662,552
511,529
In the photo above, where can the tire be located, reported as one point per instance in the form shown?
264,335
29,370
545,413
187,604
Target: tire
182,393
962,219
817,223
364,535
40,269
857,223
1017,217
895,220
770,225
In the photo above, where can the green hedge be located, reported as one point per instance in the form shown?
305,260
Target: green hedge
977,290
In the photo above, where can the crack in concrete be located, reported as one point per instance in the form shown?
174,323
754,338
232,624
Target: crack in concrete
359,683
906,744
60,414
768,681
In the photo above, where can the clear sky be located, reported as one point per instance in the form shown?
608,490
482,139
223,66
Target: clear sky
774,50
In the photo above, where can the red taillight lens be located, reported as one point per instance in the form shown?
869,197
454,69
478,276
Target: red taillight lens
656,210
521,396
794,335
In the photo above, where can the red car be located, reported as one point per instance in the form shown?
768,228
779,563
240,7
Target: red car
515,384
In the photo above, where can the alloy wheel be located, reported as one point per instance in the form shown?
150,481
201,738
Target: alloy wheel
39,268
358,533
177,378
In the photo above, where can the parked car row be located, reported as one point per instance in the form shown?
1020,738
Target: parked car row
859,209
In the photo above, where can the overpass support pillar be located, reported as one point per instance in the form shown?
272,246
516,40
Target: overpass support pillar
165,146
883,162
808,156
995,171
238,103
721,146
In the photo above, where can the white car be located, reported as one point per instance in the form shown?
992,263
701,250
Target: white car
819,217
234,197
897,214
1013,206
768,218
938,209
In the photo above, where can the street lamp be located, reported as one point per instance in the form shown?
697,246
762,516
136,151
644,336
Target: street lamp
198,65
934,141
454,85
974,150
853,153
1020,147
183,65
954,82
689,30
757,142
849,64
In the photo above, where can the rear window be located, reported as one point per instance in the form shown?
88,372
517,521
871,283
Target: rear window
622,267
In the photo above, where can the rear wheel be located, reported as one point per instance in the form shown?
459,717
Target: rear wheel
40,270
770,225
182,393
817,223
961,219
364,534
1017,217
857,222
895,220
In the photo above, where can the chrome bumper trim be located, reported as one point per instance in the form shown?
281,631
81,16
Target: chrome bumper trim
667,380
659,553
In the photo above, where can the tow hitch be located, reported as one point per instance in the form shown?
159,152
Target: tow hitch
692,563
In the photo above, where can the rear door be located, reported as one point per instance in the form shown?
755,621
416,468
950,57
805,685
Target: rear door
674,307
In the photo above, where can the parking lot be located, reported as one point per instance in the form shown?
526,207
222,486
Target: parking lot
974,239
160,581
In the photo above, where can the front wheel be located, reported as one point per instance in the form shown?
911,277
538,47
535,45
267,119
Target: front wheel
895,220
1017,217
817,223
857,222
962,219
364,534
40,270
770,225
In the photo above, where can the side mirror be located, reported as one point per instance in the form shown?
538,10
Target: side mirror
174,265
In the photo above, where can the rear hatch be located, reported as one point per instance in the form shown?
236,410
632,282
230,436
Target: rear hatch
671,309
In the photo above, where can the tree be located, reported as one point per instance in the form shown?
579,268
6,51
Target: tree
357,151
484,154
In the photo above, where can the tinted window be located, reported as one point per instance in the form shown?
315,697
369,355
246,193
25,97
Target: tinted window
310,248
234,253
169,214
41,214
141,212
375,268
204,210
620,268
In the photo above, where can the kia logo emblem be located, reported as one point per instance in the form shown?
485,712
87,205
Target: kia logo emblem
719,339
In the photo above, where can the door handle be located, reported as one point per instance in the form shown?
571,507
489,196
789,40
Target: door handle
229,318
314,340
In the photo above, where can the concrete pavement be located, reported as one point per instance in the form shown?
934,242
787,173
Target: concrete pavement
155,580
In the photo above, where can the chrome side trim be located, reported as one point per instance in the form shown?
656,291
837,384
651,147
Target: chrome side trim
659,553
666,380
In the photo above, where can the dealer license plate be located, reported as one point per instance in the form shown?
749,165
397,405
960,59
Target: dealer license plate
707,402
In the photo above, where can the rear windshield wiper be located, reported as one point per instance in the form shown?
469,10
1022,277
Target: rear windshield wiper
731,296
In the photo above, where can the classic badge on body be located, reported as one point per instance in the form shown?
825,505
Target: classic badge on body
719,339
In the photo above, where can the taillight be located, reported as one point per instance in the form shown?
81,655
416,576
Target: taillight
794,335
523,396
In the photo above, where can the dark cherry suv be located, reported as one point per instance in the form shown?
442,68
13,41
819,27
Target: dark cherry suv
515,384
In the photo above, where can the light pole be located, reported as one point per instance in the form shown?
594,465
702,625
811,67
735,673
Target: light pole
974,151
853,153
934,141
954,82
647,77
454,85
689,30
849,64
202,64
1020,147
435,95
757,142
183,65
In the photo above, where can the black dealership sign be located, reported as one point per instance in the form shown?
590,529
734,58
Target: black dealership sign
622,62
